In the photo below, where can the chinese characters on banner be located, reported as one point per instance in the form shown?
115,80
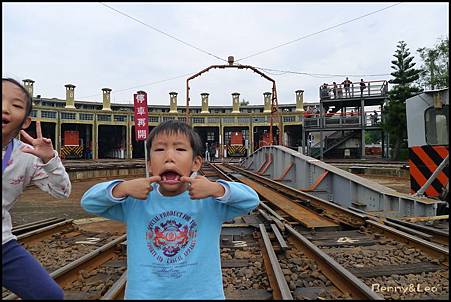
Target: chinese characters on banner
141,116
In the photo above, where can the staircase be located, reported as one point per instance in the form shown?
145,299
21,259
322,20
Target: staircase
332,141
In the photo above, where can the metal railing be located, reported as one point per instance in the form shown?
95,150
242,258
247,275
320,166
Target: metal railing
370,119
355,90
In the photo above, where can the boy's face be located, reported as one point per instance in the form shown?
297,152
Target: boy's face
14,109
171,156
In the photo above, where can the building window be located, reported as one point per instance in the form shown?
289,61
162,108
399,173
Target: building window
210,136
228,120
243,120
153,119
68,116
86,116
213,120
227,137
260,119
48,104
168,118
120,118
104,117
436,126
289,119
48,114
34,113
183,119
198,120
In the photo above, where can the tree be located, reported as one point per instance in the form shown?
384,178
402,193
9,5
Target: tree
244,103
395,110
435,66
373,137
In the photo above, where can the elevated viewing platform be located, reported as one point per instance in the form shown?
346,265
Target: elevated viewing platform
372,92
346,110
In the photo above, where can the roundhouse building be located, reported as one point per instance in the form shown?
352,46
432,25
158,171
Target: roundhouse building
101,130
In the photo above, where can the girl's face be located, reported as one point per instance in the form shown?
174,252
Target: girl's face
14,110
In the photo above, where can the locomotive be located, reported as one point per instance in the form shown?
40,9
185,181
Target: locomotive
427,131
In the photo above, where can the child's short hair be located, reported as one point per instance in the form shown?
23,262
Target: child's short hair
27,94
177,127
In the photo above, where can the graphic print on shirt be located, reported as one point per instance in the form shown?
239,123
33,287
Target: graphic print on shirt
171,236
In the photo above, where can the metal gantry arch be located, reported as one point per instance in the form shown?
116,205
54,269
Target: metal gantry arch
274,104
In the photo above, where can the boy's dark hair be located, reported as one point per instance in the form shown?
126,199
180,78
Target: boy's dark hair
173,127
27,95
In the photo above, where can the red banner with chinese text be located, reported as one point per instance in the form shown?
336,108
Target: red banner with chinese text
141,115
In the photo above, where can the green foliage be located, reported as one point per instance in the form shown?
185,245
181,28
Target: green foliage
373,137
395,109
435,68
244,103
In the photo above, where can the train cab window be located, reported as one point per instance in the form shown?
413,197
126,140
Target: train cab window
436,126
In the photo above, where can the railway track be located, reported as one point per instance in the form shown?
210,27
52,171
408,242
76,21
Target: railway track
392,259
294,246
85,264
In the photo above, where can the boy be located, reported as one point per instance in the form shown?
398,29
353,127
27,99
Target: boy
173,232
22,164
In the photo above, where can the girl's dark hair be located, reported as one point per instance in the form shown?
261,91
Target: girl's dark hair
27,94
177,127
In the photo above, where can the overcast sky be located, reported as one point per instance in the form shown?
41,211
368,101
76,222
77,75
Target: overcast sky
92,46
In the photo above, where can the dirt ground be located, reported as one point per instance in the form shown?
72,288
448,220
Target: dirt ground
35,204
400,184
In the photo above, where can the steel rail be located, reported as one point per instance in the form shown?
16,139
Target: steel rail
333,211
63,274
439,236
18,228
276,270
429,248
37,225
343,279
43,232
432,249
117,289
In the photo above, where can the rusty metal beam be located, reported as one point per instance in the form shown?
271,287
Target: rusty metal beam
317,182
274,102
266,166
263,164
285,172
285,293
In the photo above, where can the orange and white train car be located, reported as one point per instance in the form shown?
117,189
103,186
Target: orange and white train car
427,131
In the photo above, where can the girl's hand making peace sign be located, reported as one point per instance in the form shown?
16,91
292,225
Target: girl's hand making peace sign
41,147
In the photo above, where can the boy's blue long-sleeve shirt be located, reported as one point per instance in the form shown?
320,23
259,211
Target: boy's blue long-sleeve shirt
172,241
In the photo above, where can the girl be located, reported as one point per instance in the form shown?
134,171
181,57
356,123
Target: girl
22,164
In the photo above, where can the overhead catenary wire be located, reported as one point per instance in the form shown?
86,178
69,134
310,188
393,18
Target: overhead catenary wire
268,70
139,86
315,33
319,75
164,33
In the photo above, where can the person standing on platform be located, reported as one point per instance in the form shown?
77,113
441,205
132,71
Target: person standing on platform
23,164
375,118
347,84
362,87
335,89
173,218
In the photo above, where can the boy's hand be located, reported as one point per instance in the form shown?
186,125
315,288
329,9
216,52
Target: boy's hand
200,187
137,188
42,147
